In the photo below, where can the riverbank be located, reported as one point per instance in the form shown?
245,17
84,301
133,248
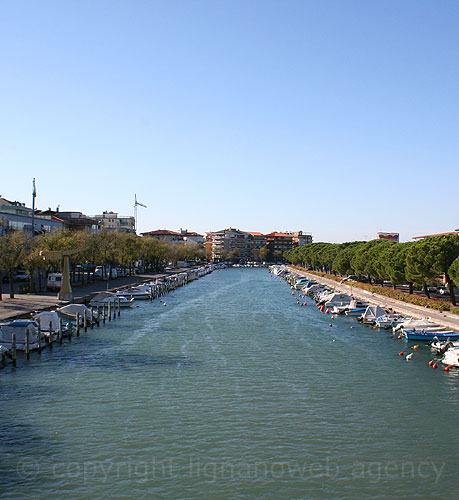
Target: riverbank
451,321
25,304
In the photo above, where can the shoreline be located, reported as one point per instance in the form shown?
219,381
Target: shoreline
23,305
446,319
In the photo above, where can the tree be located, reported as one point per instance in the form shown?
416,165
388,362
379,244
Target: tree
393,258
264,252
420,265
453,271
12,254
342,262
441,252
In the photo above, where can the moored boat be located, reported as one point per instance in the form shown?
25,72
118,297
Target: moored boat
428,336
21,328
451,357
104,298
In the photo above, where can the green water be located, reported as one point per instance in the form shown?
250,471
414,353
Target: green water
230,391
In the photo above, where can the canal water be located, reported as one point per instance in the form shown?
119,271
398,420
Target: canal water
229,391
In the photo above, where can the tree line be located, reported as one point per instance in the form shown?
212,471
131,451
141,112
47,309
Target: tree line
19,250
420,263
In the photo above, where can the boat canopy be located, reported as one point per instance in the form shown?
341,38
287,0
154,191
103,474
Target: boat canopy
73,309
19,327
47,317
373,312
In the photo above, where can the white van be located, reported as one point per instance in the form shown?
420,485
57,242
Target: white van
54,281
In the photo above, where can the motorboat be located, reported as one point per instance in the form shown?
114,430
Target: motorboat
451,357
102,299
300,283
142,292
428,336
416,325
50,323
370,314
354,308
389,320
72,311
21,328
441,347
338,300
358,311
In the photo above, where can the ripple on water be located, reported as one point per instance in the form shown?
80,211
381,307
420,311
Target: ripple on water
231,391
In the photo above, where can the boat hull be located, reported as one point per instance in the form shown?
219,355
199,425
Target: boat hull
429,336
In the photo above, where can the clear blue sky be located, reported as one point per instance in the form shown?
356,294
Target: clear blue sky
336,117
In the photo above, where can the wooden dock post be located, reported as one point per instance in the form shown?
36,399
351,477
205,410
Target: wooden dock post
92,318
51,340
78,324
39,337
103,314
59,332
109,311
13,349
98,317
85,325
119,306
27,344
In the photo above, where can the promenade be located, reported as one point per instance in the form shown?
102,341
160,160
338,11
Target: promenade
446,319
24,304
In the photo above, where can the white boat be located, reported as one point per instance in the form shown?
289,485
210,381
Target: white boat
49,323
418,325
389,320
338,300
370,314
142,292
352,306
441,347
451,357
21,328
102,299
72,310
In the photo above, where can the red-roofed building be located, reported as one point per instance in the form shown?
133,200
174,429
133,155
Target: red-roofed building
280,242
165,235
388,236
257,240
455,232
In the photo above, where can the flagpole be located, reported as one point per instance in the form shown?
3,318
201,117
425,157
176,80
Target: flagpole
34,194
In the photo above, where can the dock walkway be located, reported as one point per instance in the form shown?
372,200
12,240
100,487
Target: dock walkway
25,304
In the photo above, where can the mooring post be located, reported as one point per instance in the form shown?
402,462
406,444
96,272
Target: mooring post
98,317
109,311
39,337
103,314
119,306
51,335
78,324
85,326
27,344
13,348
92,318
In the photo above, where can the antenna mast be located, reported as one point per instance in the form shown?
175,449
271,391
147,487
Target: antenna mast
136,204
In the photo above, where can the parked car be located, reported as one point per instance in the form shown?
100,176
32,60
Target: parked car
443,290
54,281
21,275
18,276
